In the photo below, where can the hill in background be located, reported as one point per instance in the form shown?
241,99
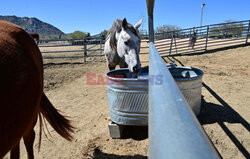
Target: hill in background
34,25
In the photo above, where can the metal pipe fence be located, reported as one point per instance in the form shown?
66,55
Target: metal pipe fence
68,49
172,43
207,37
174,131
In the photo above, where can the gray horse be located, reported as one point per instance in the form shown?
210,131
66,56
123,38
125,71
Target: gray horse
122,46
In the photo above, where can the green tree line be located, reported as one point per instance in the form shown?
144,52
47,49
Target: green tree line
75,35
227,30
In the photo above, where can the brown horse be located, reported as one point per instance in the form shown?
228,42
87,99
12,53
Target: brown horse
35,37
22,99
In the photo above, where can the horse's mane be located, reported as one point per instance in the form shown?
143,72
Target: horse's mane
34,35
117,27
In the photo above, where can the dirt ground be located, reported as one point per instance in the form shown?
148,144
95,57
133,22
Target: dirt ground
224,116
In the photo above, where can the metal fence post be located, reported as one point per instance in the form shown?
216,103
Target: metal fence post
248,31
100,46
151,28
207,38
85,50
174,36
170,48
150,6
101,40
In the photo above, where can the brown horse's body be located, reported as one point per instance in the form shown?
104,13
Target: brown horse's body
21,92
35,37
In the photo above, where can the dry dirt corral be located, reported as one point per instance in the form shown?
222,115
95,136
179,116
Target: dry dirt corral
225,108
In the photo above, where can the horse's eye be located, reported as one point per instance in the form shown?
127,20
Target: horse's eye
126,42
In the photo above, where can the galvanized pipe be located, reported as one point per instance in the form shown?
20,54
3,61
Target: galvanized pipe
85,50
151,28
150,6
207,38
174,131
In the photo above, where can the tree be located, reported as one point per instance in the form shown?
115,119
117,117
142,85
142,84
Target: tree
144,34
227,30
77,35
232,29
166,28
104,32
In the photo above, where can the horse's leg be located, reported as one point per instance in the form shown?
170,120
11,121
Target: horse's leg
15,152
29,139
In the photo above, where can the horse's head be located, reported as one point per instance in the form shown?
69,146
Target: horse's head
128,44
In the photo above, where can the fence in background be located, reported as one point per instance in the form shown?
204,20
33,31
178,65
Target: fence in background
174,131
207,37
72,48
172,43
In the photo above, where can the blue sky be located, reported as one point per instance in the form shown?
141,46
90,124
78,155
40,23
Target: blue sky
96,15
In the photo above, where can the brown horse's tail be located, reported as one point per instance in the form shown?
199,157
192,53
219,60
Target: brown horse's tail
61,125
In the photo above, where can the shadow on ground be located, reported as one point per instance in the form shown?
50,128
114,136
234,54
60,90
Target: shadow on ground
219,113
98,154
214,113
135,132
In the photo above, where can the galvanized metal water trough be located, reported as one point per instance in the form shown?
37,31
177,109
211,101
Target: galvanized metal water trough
128,97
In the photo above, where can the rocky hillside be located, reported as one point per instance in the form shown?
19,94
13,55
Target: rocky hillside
33,25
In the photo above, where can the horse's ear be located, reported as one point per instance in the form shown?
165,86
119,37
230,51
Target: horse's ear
124,24
117,21
137,25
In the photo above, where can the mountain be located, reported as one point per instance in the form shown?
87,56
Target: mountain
34,25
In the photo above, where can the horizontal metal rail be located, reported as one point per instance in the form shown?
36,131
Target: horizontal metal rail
54,45
181,48
174,131
217,41
63,57
181,52
162,41
229,43
94,55
63,51
93,52
185,52
62,45
162,44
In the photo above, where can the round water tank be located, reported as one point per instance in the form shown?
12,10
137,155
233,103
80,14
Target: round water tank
128,97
